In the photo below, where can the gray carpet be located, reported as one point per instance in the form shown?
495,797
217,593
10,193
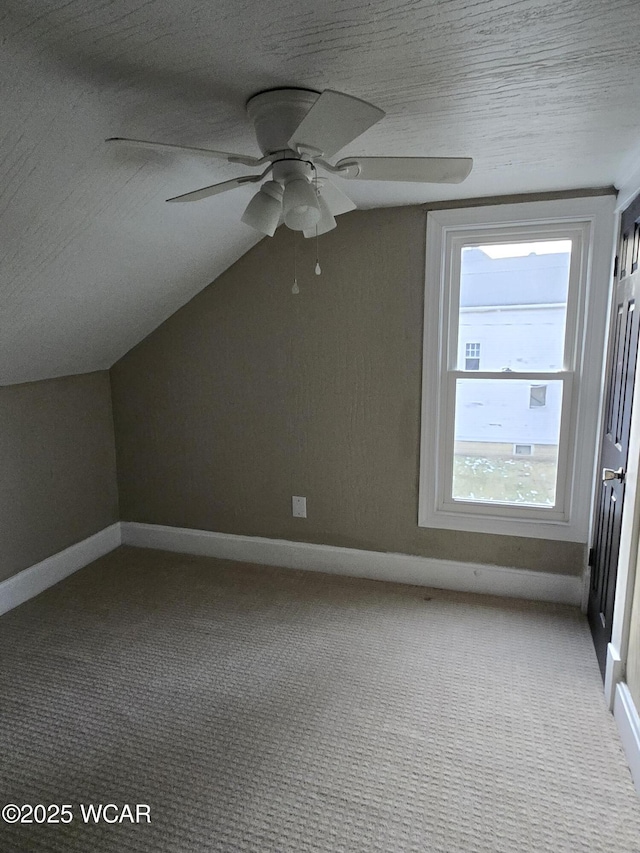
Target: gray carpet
258,709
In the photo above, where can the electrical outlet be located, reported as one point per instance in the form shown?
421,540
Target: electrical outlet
298,506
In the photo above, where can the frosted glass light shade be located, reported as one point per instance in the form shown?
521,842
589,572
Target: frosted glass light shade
300,204
325,223
264,209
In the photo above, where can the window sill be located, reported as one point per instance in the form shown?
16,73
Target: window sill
501,525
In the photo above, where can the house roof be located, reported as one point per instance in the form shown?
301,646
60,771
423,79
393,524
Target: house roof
526,280
543,95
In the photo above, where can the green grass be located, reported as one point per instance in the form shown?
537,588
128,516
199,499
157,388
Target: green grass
527,481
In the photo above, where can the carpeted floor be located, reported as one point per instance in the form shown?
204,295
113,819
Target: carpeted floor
265,710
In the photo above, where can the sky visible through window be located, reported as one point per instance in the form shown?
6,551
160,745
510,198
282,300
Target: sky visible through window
520,250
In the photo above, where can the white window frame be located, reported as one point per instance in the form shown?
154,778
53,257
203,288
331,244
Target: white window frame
589,223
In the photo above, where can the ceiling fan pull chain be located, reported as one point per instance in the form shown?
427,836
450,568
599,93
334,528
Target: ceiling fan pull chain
318,269
295,289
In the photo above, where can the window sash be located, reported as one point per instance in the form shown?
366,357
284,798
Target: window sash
445,500
449,372
454,245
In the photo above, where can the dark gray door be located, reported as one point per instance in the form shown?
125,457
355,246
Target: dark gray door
623,350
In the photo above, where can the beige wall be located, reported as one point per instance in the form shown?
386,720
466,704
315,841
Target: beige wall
249,394
57,458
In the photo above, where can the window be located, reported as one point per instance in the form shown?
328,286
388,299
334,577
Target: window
522,449
472,357
521,280
537,396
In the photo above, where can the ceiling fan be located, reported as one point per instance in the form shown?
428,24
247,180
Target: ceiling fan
298,131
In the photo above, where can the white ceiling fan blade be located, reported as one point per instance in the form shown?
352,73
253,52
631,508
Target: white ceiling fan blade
215,189
336,200
334,121
427,170
185,149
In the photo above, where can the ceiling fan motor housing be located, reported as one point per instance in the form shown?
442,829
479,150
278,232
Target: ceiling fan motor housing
277,114
288,169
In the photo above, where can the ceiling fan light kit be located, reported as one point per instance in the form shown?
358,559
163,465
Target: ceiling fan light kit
298,131
264,210
300,205
326,222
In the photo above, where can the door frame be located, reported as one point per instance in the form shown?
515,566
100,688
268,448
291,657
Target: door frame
618,647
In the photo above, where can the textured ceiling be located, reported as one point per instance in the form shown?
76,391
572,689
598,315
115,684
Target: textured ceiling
542,94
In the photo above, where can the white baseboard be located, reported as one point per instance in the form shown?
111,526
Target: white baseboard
402,568
29,582
612,674
626,716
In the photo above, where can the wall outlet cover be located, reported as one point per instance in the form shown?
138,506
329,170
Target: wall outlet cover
298,506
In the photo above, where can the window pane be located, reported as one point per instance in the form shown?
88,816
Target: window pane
505,450
513,305
472,356
537,396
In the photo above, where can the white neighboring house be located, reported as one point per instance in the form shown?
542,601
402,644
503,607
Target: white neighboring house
512,318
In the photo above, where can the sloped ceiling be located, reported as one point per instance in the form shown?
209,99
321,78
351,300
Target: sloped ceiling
543,94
